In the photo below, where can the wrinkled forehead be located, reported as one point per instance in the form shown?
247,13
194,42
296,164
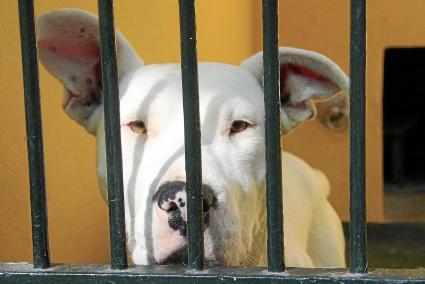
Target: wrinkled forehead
157,88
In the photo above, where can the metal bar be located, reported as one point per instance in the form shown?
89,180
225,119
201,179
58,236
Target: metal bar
192,134
23,273
40,240
112,135
357,137
275,250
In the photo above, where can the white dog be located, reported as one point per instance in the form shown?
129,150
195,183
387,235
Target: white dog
232,125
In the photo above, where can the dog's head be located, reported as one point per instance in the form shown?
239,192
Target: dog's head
232,126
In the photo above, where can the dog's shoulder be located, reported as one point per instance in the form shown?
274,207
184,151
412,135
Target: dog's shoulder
304,177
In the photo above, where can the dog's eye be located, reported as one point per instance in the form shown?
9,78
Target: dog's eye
138,126
238,126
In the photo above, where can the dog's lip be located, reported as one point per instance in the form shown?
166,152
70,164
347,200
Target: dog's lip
179,256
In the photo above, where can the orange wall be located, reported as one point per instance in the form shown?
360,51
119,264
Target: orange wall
228,31
323,26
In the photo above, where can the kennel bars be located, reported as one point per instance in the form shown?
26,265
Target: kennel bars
41,271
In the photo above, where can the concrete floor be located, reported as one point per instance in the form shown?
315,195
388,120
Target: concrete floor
400,242
394,245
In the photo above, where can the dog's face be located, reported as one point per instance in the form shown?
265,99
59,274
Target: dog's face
152,135
152,132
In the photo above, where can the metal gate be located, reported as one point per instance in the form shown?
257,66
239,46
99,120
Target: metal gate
42,271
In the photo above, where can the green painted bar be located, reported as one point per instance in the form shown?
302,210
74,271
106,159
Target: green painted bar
24,273
275,250
192,134
112,135
40,238
358,262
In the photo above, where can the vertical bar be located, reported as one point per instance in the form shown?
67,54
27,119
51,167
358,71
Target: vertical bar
192,134
357,137
112,135
275,250
40,240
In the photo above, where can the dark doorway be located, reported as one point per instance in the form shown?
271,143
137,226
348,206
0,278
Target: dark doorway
404,119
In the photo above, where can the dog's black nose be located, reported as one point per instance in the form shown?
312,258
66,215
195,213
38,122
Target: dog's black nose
172,195
171,198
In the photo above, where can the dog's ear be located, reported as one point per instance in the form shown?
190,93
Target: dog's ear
304,76
69,47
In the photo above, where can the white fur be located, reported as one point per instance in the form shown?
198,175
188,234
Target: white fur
233,165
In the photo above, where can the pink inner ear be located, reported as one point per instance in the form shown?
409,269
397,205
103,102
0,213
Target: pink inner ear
79,62
288,69
87,53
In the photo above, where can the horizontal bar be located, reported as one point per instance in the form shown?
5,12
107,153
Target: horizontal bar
23,273
358,262
275,249
112,135
40,240
192,134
